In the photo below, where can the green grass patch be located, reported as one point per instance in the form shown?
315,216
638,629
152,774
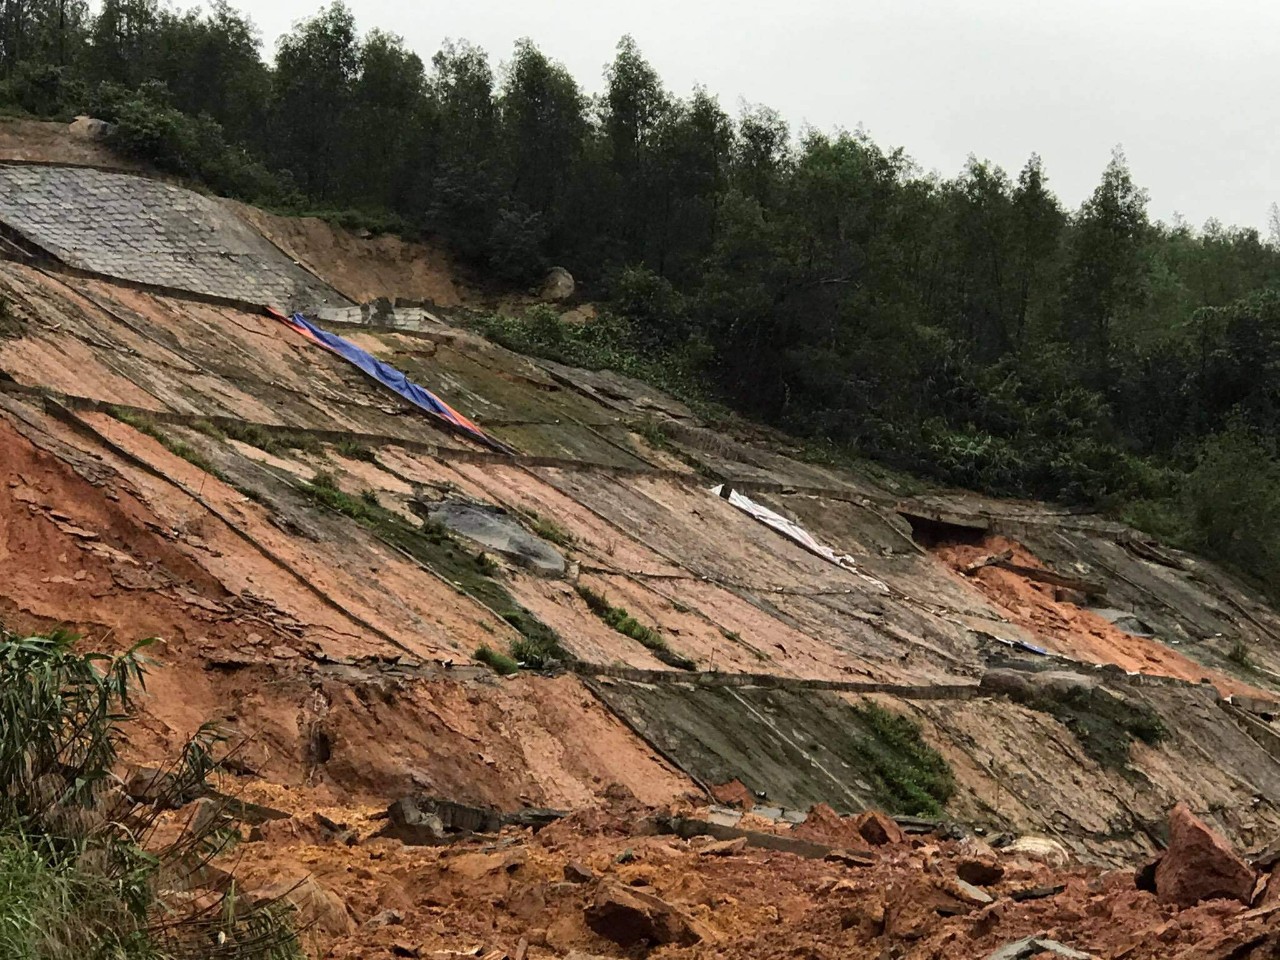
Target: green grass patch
208,428
180,448
272,441
550,530
356,451
907,775
629,626
500,663
1238,653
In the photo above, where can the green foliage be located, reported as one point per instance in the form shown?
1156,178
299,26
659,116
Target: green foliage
273,441
180,448
431,545
549,530
357,451
1105,725
500,663
75,879
907,775
1239,654
1233,503
629,626
967,328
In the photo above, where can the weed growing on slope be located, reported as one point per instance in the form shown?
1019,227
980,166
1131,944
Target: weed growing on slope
11,327
208,428
908,775
270,441
551,531
353,450
1104,725
180,448
500,663
1239,654
629,626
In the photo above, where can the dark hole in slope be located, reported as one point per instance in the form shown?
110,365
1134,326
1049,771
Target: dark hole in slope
932,529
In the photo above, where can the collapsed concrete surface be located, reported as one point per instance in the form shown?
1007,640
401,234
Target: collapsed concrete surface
324,564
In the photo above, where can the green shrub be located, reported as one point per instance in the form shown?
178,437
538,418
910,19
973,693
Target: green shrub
500,663
909,776
629,626
551,531
75,881
357,451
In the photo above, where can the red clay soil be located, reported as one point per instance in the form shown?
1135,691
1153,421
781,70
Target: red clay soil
512,895
1070,630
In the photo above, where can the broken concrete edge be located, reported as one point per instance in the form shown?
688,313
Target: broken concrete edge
1090,588
954,691
686,828
67,416
422,820
440,451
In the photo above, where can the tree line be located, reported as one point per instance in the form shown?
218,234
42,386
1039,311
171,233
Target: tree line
970,327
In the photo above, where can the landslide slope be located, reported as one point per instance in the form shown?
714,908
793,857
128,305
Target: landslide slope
176,462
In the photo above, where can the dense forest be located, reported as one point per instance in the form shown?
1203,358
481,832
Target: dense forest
968,328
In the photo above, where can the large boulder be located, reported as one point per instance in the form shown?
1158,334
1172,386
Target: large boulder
628,917
878,829
1042,849
316,906
557,285
90,128
1200,864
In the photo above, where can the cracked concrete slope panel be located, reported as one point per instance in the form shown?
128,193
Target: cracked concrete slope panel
132,228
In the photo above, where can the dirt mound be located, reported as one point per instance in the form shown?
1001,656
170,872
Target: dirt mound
362,268
507,894
40,141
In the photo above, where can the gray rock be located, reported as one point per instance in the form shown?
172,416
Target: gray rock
1033,946
496,530
558,284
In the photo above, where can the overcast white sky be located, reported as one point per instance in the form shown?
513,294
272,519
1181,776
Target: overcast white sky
1188,87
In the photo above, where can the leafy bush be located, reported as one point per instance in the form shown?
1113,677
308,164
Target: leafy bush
146,127
909,775
76,878
500,663
1232,501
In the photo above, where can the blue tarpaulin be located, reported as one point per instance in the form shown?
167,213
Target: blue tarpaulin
387,375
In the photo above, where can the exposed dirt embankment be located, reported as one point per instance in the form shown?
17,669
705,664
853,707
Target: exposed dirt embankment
362,268
1069,629
40,141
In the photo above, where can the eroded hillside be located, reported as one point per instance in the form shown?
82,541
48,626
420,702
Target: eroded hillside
323,561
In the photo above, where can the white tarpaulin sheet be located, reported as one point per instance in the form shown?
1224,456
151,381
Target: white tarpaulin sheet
793,531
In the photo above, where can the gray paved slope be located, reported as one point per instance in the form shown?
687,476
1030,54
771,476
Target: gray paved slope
133,228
